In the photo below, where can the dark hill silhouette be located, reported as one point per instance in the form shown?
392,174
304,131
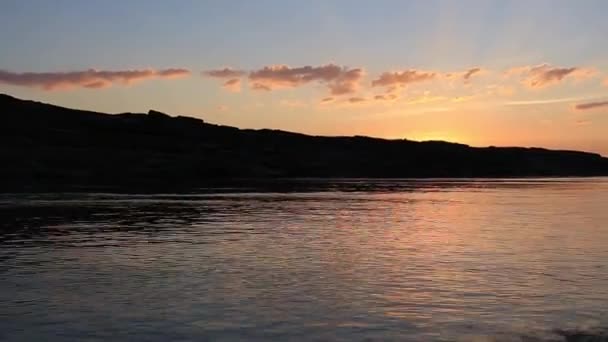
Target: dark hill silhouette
42,145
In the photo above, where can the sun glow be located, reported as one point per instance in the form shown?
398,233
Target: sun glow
438,136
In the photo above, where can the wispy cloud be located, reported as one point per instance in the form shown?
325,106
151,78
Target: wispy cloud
91,79
591,105
467,75
233,85
386,97
543,101
339,80
357,99
545,75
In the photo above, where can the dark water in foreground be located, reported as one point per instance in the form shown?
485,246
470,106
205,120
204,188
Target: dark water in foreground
328,260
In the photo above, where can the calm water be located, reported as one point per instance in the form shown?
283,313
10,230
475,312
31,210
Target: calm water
312,260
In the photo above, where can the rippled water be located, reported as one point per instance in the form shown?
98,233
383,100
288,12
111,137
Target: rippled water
309,260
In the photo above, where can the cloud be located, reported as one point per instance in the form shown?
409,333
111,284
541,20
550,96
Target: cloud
402,78
338,79
465,76
606,82
327,100
545,75
386,97
591,105
224,73
91,78
222,108
543,101
173,73
469,73
357,99
233,85
231,76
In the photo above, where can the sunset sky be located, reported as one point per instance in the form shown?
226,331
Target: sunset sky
531,73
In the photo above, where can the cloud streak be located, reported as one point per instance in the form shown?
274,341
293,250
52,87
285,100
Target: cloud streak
591,105
545,75
543,101
91,78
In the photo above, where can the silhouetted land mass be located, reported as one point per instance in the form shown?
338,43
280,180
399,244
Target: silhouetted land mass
46,146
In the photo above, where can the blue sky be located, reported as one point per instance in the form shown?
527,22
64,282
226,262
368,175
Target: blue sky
444,37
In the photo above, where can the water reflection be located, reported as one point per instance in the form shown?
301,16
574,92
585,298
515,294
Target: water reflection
334,260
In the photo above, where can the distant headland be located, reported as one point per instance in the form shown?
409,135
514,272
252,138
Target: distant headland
46,146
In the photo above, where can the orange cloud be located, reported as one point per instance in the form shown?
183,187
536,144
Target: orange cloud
91,79
327,99
339,80
545,75
591,105
402,78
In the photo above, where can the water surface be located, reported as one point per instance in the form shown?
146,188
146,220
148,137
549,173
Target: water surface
434,260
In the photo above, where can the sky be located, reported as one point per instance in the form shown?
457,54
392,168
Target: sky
480,72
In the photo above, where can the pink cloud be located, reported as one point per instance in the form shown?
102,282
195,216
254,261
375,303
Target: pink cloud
591,105
545,75
339,80
91,79
402,78
231,76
